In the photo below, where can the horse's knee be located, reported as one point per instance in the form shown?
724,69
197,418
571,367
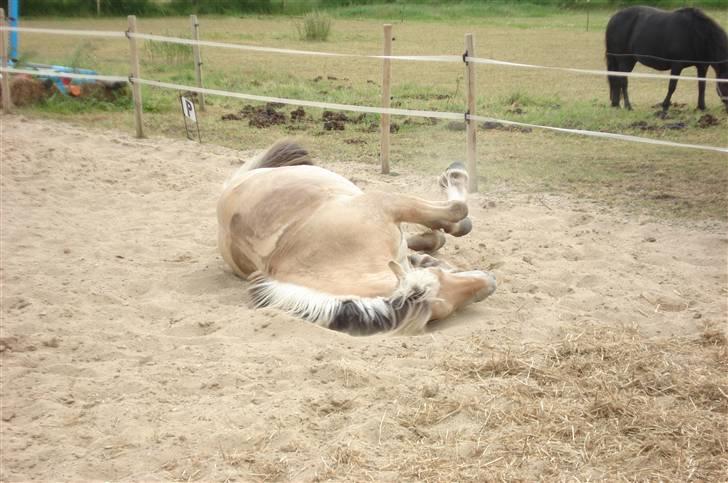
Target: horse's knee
430,241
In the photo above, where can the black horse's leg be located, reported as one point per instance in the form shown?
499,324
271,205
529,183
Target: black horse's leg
626,65
627,104
702,70
614,81
671,88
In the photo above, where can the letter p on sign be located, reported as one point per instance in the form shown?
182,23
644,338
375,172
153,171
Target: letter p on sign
188,108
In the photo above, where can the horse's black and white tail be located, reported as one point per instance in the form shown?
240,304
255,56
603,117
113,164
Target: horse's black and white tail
285,152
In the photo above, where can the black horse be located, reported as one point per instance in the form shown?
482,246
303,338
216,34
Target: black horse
666,41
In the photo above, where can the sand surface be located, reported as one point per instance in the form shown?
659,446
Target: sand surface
129,351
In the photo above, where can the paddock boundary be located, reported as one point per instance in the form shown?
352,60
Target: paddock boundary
417,58
467,117
454,116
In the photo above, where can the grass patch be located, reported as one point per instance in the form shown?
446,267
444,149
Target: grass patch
168,54
314,26
67,105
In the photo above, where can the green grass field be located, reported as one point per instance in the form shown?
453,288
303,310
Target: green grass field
645,179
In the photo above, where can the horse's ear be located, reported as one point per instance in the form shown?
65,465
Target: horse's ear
397,269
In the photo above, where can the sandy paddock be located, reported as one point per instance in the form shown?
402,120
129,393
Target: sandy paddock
129,351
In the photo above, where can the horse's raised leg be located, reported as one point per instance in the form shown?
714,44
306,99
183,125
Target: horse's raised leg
450,216
702,71
671,88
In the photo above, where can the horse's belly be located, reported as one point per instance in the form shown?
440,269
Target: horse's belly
257,213
340,250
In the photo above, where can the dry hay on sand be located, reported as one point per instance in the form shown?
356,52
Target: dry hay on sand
128,352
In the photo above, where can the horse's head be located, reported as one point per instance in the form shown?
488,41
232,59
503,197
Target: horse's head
457,289
444,289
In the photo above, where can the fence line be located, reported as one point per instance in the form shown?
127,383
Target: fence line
69,75
369,109
645,75
420,58
85,33
137,81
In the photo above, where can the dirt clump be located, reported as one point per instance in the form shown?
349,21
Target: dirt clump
26,90
334,121
708,120
298,114
644,126
266,116
260,116
104,91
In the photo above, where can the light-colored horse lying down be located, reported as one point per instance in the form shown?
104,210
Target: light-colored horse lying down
314,245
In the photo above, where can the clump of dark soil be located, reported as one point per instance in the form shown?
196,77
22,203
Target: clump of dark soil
106,91
355,141
266,117
298,114
501,127
25,90
708,120
455,126
260,117
644,126
334,121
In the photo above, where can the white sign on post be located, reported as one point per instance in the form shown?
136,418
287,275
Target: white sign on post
188,108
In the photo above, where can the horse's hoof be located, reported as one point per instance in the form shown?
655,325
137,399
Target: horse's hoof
454,175
462,227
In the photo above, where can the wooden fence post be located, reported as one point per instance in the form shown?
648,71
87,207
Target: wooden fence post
195,25
472,125
386,97
136,88
7,101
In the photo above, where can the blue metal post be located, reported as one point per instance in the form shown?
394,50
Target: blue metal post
13,17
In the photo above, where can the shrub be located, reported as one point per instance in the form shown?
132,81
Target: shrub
315,26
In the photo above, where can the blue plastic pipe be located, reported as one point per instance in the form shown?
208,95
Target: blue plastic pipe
13,16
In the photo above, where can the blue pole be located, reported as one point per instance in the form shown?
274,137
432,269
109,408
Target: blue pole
13,17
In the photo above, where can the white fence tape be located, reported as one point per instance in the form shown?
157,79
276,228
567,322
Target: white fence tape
421,58
69,75
352,107
296,102
605,135
431,114
256,48
84,33
480,60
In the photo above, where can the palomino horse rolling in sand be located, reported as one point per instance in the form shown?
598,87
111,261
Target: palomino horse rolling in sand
314,245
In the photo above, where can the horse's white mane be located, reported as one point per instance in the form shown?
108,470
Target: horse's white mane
407,310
